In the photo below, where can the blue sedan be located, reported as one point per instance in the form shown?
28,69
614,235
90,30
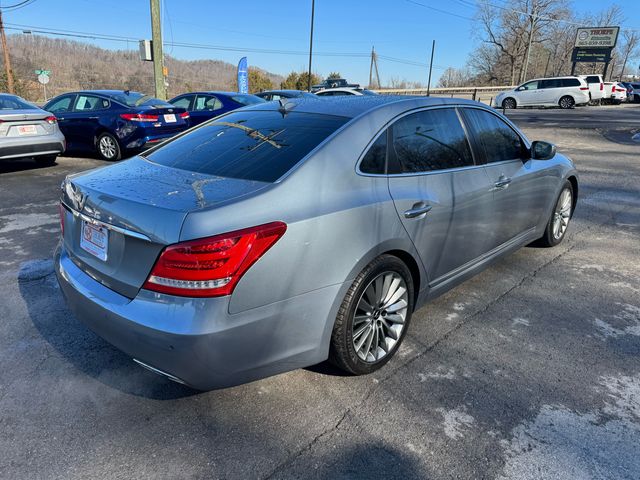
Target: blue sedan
203,106
115,123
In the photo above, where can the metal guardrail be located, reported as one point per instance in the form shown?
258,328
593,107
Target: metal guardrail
480,94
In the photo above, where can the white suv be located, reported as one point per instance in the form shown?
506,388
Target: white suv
563,92
596,87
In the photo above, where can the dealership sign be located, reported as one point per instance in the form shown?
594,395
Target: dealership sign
597,37
590,55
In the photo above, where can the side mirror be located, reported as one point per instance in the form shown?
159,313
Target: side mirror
519,89
542,150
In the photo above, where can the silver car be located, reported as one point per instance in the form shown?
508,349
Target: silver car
28,131
284,234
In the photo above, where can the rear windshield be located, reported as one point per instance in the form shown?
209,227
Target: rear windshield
247,99
10,102
135,99
252,145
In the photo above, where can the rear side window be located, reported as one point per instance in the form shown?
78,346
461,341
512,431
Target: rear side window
551,83
497,140
430,140
570,82
593,79
374,161
89,103
253,145
207,103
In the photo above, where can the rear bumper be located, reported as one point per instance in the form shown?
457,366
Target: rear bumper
18,147
149,141
197,341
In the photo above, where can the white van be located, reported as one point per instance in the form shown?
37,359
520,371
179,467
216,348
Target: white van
563,92
596,87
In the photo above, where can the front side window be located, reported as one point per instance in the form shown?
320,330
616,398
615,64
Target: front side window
374,161
430,140
62,104
496,139
530,86
183,102
252,145
593,79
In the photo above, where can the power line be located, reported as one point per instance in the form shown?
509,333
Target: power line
17,6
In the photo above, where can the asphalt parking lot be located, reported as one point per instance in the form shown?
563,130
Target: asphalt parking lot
530,370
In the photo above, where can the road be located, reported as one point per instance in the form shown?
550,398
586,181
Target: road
606,117
531,370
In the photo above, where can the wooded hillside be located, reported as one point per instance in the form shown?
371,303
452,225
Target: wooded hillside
75,65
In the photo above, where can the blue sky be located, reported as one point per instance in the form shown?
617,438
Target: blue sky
399,29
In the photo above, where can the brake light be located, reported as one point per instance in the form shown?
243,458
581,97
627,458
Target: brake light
51,120
184,115
139,117
212,266
61,213
601,86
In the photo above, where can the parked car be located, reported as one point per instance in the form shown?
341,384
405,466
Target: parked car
563,92
274,237
342,91
334,83
115,123
614,93
633,92
28,131
269,95
203,106
596,87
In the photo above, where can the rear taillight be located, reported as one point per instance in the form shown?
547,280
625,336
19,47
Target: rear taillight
184,115
212,266
584,88
601,86
51,120
139,117
61,213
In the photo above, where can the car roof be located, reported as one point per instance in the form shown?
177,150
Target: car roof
284,91
215,92
353,106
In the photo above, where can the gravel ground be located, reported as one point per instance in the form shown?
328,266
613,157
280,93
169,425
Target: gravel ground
531,370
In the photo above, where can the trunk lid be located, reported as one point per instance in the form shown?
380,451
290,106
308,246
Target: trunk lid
12,123
136,207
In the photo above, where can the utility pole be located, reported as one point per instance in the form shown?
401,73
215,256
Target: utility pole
7,60
158,63
433,49
526,63
313,7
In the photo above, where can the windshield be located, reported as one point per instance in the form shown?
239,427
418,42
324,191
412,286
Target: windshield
11,102
135,99
253,145
248,99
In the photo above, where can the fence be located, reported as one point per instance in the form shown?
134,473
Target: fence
480,94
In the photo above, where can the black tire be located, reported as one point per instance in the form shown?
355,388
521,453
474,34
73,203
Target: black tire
509,103
567,102
342,351
549,239
46,160
108,148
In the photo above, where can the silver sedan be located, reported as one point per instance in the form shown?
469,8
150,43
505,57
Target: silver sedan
28,131
285,234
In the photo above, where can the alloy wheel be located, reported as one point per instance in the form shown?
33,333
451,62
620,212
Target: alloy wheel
108,147
380,316
562,214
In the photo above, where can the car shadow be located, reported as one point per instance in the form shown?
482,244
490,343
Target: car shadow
20,164
77,344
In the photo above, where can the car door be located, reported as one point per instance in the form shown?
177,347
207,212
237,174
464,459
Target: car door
442,196
84,120
519,184
61,107
548,90
206,107
529,93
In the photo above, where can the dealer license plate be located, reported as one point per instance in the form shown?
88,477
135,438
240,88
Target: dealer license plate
27,130
95,240
170,118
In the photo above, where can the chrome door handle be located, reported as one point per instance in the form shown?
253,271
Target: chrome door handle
417,210
502,183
